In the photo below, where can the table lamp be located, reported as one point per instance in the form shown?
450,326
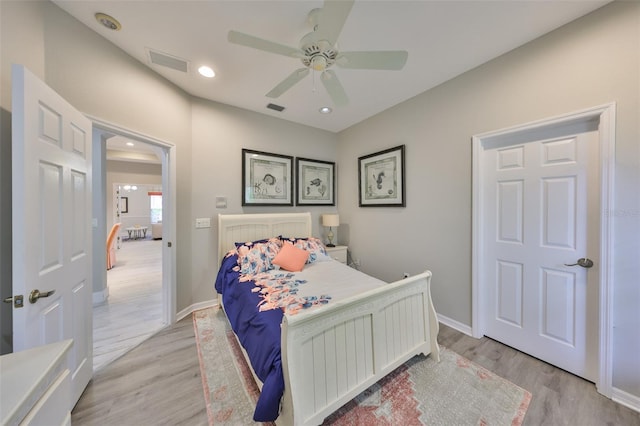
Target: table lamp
330,220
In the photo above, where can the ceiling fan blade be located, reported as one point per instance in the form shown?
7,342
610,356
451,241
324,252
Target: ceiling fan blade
334,88
288,82
378,60
262,44
331,19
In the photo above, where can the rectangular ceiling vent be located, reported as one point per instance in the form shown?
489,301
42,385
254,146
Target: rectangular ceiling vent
275,107
168,61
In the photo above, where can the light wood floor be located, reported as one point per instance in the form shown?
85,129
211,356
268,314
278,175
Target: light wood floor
159,383
133,311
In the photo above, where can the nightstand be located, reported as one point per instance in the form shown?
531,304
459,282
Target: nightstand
339,253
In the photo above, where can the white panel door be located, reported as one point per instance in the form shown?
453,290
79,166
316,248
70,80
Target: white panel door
541,213
51,158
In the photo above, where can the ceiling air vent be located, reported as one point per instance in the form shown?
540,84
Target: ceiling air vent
168,61
275,107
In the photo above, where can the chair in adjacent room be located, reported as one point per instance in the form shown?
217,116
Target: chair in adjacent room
156,231
111,245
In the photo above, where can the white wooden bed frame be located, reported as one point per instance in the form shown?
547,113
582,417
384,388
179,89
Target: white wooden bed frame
330,355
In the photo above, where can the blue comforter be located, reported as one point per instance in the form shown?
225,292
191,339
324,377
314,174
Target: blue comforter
259,334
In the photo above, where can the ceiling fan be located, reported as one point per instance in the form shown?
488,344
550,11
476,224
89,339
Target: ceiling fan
318,51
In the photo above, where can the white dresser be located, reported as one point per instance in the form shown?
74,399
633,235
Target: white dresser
35,386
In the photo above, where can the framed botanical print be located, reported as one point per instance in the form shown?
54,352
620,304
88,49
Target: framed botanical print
315,181
266,179
381,178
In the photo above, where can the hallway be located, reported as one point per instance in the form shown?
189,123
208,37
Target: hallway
133,311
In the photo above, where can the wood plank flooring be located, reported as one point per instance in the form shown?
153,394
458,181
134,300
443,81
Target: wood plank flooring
558,397
133,311
159,383
156,383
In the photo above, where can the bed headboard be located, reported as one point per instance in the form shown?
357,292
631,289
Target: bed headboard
234,228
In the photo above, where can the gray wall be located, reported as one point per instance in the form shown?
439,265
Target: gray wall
219,134
6,324
590,62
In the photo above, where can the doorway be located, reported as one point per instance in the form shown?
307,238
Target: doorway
136,297
525,206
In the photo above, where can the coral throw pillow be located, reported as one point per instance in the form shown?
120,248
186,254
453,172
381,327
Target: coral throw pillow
291,258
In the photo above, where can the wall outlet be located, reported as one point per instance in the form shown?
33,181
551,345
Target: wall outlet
356,262
406,275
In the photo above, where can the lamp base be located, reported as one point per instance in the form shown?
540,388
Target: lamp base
331,245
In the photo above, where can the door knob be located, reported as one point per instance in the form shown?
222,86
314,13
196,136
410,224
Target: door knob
37,294
584,262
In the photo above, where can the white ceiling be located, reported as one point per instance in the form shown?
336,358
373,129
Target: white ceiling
443,38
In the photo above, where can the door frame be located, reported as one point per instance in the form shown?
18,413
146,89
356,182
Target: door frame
604,115
167,153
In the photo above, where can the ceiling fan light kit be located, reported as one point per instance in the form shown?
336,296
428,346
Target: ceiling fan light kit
206,71
318,52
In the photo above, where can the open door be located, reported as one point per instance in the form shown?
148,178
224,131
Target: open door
52,259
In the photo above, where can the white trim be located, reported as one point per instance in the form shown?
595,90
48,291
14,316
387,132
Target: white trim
605,115
130,134
456,325
626,399
100,297
168,157
196,307
607,133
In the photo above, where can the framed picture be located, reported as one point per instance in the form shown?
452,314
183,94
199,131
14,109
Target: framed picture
266,179
381,178
315,181
124,204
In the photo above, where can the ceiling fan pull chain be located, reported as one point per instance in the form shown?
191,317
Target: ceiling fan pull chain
313,82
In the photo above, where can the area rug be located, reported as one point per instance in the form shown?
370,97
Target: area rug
454,391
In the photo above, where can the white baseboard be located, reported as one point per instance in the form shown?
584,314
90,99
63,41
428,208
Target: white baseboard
626,399
100,297
462,328
195,307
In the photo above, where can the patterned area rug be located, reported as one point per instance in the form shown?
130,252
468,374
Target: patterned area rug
420,392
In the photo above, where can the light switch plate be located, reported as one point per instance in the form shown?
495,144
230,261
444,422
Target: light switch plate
203,222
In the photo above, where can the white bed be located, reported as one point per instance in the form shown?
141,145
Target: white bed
323,369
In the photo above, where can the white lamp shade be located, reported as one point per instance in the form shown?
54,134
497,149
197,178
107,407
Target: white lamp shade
330,220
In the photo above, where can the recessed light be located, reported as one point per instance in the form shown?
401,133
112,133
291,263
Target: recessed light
129,144
108,21
206,71
325,110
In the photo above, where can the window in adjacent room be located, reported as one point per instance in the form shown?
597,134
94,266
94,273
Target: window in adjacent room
156,208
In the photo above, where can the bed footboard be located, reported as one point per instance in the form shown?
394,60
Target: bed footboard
330,355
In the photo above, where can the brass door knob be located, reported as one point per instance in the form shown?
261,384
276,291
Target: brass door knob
584,262
37,294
